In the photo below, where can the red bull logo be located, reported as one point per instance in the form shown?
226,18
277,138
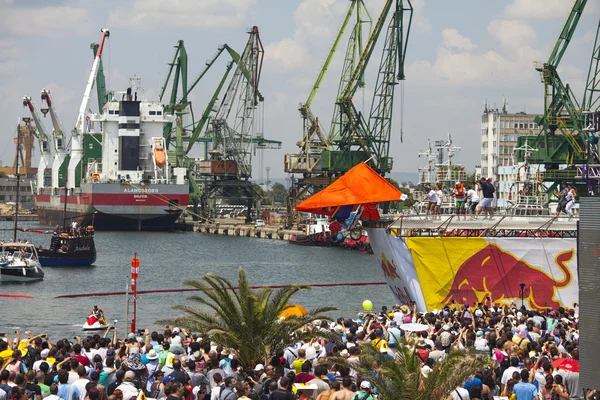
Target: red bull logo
498,274
389,268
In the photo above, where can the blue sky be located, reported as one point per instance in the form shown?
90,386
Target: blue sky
460,53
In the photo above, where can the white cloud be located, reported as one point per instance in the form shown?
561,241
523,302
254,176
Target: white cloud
511,33
9,56
43,21
191,14
456,64
539,9
453,39
285,54
420,21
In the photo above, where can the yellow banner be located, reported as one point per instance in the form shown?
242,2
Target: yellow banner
467,270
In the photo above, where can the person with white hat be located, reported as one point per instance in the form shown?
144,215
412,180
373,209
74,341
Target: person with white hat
365,392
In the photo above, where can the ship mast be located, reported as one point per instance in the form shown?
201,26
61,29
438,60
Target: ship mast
26,120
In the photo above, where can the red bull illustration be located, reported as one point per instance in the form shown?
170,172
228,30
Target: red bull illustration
499,274
389,268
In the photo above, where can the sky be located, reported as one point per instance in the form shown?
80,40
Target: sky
460,54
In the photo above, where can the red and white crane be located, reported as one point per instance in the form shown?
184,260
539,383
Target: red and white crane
80,125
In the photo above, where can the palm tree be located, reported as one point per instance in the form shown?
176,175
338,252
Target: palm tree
246,319
400,377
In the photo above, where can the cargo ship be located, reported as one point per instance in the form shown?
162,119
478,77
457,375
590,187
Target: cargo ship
117,174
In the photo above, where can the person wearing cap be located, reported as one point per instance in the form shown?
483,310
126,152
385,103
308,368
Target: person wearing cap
460,197
128,387
44,355
487,189
364,392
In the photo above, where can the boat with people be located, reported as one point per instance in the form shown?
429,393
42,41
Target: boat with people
71,248
19,262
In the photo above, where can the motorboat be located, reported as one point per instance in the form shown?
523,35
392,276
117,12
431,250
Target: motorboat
95,321
19,262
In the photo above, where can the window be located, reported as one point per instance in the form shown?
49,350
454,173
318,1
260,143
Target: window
516,125
531,125
159,113
521,125
152,112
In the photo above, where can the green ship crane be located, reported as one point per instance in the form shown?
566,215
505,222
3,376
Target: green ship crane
101,91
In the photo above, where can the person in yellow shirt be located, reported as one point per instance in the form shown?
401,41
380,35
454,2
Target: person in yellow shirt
6,351
297,364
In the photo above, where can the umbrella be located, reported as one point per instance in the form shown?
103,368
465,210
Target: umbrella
568,364
293,310
414,327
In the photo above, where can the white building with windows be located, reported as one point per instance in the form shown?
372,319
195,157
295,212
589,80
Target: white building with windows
499,133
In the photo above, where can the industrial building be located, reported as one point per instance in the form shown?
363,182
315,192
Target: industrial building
499,133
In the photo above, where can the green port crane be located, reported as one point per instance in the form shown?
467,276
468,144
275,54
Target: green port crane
369,140
315,140
353,139
233,138
563,138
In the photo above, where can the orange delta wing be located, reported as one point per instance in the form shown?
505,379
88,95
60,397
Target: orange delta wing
360,185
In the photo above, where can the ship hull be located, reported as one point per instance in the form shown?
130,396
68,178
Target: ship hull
113,206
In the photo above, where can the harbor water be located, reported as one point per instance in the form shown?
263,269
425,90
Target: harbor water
167,260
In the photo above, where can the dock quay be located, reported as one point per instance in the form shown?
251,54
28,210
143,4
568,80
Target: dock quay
275,232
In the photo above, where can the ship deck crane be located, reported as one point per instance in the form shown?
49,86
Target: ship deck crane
45,152
74,172
61,158
566,136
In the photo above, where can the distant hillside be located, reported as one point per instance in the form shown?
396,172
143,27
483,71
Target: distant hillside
404,176
398,176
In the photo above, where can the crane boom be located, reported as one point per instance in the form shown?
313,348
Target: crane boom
74,172
79,125
566,33
45,155
58,140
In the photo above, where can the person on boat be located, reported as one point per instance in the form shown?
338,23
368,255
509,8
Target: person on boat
460,197
433,200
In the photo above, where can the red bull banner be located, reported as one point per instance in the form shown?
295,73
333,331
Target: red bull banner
541,271
396,263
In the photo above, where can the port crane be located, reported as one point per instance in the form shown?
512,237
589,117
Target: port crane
40,134
61,158
228,137
74,170
354,138
568,134
315,139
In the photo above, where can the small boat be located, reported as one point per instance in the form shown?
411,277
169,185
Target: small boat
19,263
75,248
95,321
